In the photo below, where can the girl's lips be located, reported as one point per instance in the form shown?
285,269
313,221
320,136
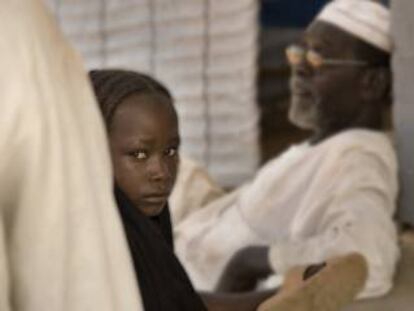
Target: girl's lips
155,199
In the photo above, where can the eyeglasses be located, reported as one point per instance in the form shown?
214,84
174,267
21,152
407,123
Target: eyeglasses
296,54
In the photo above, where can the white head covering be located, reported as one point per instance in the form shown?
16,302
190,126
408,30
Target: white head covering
365,19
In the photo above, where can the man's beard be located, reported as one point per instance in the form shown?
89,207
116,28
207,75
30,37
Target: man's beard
303,112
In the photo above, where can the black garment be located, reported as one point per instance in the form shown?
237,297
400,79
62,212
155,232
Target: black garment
163,282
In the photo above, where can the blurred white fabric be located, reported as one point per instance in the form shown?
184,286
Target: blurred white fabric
194,189
62,245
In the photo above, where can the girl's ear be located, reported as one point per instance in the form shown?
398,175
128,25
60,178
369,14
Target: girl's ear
376,84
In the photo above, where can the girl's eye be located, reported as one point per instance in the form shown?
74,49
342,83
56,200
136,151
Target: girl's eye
171,152
139,155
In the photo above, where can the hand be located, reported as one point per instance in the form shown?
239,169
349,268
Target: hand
245,269
235,302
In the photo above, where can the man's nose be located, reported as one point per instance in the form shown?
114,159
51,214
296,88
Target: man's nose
302,69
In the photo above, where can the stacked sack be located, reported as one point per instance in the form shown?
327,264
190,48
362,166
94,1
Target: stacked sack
204,51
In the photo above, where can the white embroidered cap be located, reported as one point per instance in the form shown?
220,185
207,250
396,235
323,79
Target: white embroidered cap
366,19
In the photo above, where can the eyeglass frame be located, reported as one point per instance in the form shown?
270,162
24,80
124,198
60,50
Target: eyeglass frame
325,61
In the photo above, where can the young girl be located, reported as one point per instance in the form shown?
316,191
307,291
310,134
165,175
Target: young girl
143,136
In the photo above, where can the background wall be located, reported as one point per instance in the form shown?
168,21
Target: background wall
204,51
403,62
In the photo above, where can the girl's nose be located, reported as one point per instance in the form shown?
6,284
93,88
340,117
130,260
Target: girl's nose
158,170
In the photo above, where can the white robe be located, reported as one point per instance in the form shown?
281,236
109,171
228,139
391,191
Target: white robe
193,189
61,241
311,203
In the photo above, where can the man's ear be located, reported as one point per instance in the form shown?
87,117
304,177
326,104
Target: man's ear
376,84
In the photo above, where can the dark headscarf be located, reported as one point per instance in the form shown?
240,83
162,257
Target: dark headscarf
163,282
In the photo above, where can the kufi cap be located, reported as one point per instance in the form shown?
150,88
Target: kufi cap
365,19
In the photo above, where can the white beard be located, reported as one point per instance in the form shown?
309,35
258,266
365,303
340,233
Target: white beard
302,112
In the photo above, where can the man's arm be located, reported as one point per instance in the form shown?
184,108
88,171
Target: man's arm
235,302
246,268
362,230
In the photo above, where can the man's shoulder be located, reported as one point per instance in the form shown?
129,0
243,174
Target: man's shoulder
363,148
360,139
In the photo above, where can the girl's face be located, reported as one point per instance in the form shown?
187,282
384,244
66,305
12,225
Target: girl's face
144,143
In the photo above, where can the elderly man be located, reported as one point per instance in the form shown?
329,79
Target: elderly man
331,195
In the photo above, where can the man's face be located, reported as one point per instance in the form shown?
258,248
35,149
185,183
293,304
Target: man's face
144,144
325,98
